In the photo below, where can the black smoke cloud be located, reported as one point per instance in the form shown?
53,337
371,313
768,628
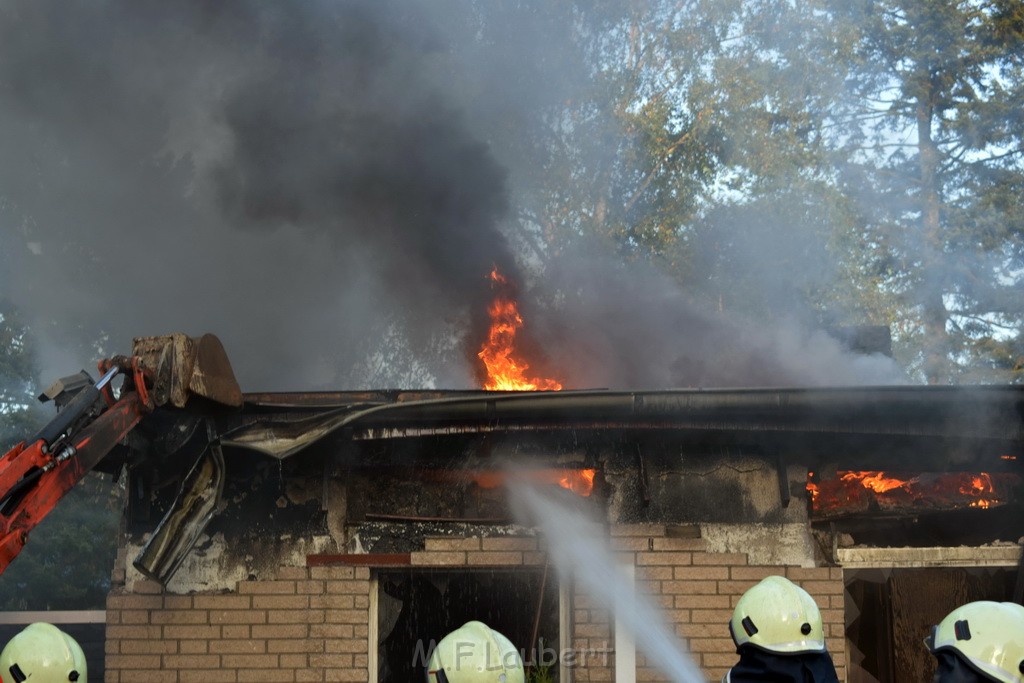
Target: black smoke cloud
340,137
416,190
292,177
325,186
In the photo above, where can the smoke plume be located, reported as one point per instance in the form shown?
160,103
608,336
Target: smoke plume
284,176
325,186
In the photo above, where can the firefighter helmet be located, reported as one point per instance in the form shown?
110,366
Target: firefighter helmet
475,653
778,616
987,636
42,653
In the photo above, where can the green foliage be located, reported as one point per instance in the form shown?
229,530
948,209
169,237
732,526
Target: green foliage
862,159
17,378
68,560
933,130
631,152
540,674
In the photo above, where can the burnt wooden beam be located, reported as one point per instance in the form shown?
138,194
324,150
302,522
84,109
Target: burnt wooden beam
645,484
783,477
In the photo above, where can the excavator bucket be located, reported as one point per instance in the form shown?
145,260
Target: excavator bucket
183,367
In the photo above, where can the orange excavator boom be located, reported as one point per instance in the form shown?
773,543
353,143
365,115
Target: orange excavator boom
35,474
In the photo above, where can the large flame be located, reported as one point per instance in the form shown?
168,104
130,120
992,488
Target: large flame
505,373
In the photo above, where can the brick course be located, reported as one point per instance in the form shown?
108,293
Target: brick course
296,627
697,591
312,623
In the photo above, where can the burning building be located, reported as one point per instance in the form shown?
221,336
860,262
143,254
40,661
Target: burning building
330,536
323,167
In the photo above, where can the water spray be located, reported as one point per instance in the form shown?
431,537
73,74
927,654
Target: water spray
577,549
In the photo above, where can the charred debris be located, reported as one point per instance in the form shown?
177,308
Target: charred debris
377,471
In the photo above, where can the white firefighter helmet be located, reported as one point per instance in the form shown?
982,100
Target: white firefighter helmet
778,616
987,636
42,653
475,653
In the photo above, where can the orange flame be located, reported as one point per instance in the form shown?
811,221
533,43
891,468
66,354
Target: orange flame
504,373
876,481
979,483
580,482
812,488
852,491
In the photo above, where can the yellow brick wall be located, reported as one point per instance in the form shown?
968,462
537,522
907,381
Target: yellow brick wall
312,624
697,591
308,624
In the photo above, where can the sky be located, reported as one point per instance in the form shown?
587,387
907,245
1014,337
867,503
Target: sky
326,186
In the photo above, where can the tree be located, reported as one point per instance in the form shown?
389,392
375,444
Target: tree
932,131
704,147
17,377
626,152
869,151
67,562
770,240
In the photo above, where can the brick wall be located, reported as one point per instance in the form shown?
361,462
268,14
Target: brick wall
313,623
307,624
697,592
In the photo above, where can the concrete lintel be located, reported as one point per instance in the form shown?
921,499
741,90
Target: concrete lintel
962,556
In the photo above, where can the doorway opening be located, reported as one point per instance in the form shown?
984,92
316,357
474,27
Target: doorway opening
889,612
418,607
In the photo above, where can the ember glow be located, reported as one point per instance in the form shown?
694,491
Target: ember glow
812,488
853,492
504,371
580,482
979,484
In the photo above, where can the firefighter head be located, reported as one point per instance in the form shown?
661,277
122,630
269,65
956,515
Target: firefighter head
42,653
475,654
777,616
980,641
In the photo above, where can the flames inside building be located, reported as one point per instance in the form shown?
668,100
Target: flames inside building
393,511
337,535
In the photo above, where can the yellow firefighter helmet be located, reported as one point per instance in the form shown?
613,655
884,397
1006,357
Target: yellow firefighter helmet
42,653
778,616
987,636
475,653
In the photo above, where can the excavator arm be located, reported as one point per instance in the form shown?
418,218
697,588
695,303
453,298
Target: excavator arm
35,474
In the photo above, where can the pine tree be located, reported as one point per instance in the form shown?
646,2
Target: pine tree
933,138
